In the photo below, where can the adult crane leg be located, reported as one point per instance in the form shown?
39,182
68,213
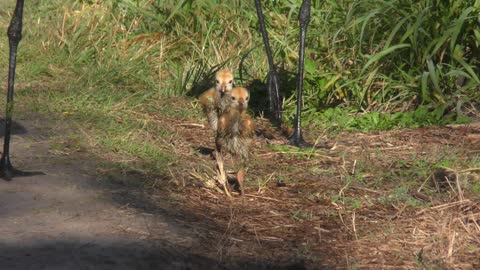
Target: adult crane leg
304,19
273,85
14,36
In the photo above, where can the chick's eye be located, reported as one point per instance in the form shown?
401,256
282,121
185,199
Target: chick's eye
217,81
230,82
233,98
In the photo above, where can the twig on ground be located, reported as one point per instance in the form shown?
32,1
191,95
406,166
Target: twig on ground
353,225
450,245
423,184
262,197
190,125
444,206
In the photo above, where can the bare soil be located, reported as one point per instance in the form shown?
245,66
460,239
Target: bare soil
68,218
301,210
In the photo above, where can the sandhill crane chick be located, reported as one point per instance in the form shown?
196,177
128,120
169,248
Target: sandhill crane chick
216,99
234,135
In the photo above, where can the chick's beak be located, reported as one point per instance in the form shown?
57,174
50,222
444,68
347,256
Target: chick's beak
241,104
223,88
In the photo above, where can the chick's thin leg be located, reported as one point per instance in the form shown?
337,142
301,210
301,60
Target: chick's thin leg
240,179
222,177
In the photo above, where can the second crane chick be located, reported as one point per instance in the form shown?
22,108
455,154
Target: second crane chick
235,130
216,99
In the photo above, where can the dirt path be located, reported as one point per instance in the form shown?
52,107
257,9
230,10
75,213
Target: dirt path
85,213
67,219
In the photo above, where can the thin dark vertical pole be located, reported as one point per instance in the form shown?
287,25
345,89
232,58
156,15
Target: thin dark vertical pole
273,85
14,36
304,19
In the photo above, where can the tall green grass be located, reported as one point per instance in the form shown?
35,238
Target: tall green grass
363,56
390,56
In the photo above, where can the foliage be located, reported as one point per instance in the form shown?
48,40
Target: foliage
379,64
385,56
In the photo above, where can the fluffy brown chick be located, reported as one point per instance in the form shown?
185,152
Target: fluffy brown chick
234,135
216,99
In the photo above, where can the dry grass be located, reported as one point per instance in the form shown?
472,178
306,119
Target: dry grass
334,208
367,201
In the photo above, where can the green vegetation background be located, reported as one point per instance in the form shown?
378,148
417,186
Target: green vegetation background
370,64
114,65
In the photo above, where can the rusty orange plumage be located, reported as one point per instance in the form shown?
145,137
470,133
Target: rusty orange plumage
235,130
216,99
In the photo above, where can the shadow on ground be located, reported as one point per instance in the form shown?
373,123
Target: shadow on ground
17,128
72,219
83,254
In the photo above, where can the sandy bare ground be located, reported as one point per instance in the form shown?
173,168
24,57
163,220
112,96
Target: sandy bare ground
299,212
67,219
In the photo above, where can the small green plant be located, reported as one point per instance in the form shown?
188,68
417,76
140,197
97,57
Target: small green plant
476,188
350,203
302,215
